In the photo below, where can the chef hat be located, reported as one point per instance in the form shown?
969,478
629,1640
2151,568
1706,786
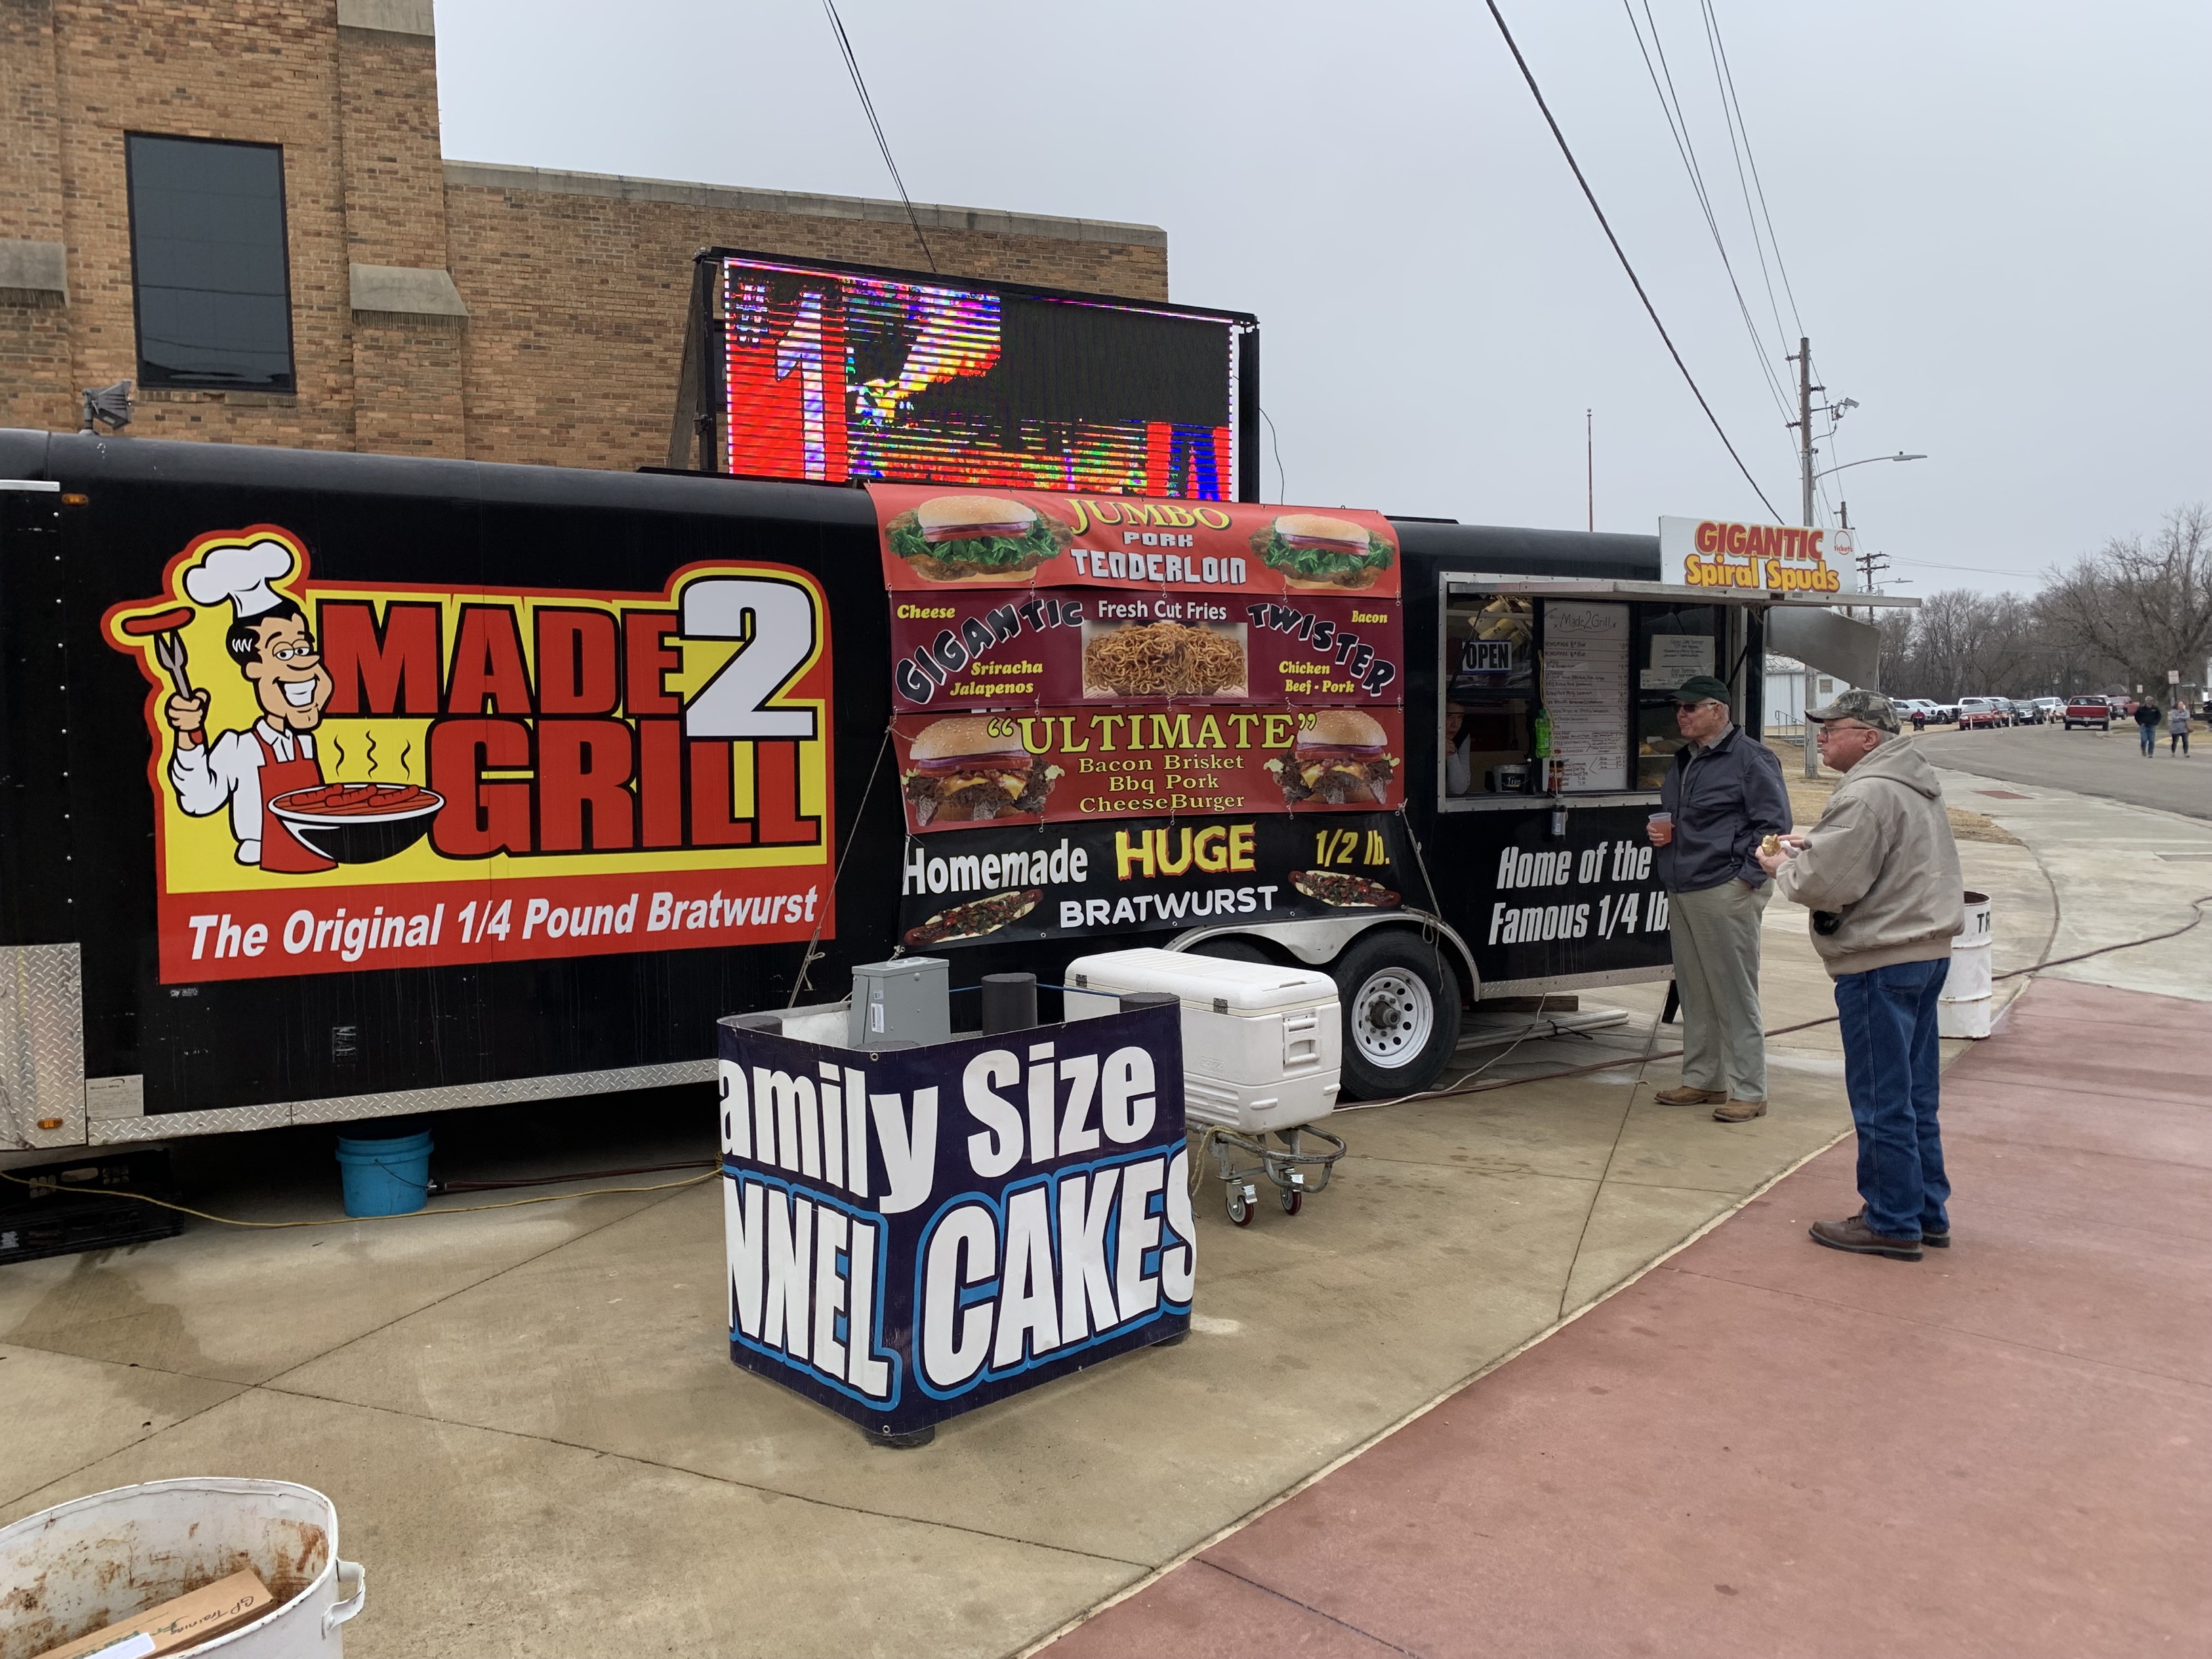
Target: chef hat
242,575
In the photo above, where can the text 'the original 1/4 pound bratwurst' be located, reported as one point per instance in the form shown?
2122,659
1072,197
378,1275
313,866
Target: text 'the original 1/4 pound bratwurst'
958,772
1342,759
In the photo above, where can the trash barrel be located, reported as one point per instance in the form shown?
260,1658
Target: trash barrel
386,1177
1964,1008
85,1565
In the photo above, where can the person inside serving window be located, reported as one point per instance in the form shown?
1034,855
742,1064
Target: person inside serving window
1458,750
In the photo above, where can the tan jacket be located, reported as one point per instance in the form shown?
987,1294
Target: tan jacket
1882,858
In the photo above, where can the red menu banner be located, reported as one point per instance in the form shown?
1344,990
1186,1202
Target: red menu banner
936,539
994,649
1059,764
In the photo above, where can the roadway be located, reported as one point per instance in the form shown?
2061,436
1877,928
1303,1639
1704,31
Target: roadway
2106,763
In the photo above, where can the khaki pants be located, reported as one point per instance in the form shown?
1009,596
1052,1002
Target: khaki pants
1715,937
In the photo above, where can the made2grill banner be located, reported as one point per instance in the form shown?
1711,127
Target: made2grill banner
1063,658
349,776
912,1233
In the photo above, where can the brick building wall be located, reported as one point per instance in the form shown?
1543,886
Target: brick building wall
437,306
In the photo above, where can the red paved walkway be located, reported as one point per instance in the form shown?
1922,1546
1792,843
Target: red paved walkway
1765,1448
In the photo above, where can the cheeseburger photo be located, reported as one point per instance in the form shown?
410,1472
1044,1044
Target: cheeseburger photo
958,773
950,538
1342,759
1313,550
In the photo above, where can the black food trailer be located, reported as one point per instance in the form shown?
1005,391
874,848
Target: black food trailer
337,786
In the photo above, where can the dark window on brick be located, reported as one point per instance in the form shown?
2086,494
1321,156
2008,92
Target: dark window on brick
207,250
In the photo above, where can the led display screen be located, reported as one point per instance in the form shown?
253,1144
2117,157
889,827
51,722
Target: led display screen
838,374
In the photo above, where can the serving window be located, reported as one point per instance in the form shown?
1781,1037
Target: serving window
1567,695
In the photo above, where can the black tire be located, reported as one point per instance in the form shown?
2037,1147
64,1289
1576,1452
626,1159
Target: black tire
1388,969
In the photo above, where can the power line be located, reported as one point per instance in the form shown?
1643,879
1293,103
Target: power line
1590,195
1678,124
1728,73
1739,146
868,108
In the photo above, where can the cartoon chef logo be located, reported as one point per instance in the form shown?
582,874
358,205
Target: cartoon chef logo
243,771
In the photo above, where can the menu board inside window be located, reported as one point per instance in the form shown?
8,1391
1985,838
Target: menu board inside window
1585,687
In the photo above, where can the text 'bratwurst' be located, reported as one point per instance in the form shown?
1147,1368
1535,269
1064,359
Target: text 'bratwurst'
959,772
1343,758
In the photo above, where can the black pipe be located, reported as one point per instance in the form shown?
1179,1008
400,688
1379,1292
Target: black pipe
1010,1002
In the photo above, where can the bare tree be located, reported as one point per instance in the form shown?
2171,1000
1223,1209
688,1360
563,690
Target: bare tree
2145,606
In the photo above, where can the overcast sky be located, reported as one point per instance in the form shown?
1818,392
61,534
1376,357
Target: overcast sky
1994,220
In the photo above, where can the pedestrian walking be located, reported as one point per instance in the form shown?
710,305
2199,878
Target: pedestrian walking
2147,727
2176,726
1880,873
1721,797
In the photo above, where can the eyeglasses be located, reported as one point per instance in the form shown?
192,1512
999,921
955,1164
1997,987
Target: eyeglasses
294,653
1829,728
1698,707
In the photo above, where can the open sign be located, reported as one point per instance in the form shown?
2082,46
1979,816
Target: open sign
1486,657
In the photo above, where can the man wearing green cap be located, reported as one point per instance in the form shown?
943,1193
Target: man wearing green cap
1721,797
1880,873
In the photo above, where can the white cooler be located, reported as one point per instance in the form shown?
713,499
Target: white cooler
1262,1046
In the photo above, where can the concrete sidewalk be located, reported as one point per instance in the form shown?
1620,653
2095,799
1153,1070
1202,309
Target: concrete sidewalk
1764,1447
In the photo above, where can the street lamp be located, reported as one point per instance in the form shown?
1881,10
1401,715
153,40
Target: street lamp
1870,461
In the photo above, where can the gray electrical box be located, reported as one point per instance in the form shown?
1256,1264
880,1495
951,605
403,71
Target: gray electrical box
910,998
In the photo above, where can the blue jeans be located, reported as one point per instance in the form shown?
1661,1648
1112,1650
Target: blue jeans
2149,739
1891,1071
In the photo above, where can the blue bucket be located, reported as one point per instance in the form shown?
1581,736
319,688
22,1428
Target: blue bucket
386,1177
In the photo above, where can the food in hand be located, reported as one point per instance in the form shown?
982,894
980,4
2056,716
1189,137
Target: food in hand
958,771
1341,759
1770,848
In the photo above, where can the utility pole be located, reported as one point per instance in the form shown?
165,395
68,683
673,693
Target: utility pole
1804,390
1589,464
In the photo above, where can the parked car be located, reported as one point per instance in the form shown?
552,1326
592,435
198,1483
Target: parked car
1982,714
2087,711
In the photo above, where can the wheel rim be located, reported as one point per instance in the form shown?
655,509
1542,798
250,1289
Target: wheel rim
1392,1018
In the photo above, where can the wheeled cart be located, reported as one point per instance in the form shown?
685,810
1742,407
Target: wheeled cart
1286,1167
1262,1057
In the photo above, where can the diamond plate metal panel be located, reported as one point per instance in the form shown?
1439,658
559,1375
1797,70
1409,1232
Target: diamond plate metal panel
41,1045
342,1108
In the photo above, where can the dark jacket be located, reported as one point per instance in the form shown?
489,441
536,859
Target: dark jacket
2146,713
1725,799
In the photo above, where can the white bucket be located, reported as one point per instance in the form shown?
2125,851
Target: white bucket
1963,1011
66,1572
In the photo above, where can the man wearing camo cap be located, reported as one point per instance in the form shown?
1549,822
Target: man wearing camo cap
1880,873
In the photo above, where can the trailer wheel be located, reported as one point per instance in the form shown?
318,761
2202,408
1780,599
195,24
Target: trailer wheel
1401,999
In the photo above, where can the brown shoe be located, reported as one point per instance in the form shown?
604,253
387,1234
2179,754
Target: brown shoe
1689,1097
1738,1111
1853,1234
